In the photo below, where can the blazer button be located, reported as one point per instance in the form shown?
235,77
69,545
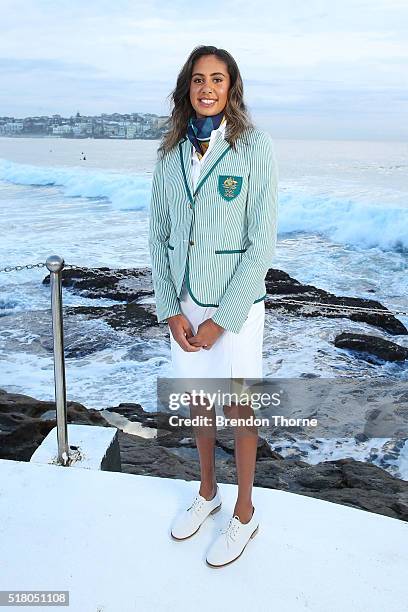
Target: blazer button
190,206
191,242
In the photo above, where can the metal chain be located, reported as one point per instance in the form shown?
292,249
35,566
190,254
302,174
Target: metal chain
18,268
383,311
339,307
42,265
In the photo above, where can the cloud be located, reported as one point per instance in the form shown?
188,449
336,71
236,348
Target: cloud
296,60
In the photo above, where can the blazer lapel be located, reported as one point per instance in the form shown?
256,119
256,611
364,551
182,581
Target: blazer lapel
214,156
219,147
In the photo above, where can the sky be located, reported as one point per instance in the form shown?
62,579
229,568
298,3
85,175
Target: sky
316,69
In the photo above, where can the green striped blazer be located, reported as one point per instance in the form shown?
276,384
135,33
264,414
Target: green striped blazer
220,237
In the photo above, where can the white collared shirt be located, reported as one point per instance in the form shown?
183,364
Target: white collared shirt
196,163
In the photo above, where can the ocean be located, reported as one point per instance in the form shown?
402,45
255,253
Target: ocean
342,226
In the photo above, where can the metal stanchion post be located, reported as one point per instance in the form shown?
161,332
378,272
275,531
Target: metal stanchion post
55,265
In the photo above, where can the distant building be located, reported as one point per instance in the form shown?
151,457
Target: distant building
13,127
61,130
107,125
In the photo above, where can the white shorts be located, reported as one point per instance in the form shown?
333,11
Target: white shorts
232,355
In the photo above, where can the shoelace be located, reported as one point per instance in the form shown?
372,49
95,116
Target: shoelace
197,504
232,528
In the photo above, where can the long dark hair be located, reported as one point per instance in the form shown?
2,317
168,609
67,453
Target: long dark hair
236,113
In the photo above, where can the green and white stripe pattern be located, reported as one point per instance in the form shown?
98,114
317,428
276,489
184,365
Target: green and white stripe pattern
224,246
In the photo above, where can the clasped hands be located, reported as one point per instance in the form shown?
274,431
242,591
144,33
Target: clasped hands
207,333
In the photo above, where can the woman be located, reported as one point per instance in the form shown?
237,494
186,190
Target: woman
212,237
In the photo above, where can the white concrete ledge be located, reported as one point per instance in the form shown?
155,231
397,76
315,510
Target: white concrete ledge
90,447
104,536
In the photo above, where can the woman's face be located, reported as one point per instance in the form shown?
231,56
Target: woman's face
209,86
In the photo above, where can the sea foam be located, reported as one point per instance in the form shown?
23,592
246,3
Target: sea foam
343,219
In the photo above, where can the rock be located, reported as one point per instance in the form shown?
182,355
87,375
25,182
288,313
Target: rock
361,437
225,440
136,319
280,283
371,345
135,414
125,285
343,481
147,457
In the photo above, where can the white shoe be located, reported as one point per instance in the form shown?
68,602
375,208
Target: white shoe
232,540
189,521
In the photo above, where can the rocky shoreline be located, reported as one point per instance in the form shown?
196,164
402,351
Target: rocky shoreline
25,422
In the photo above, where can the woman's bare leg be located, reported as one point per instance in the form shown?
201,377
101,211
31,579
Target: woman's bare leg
205,436
246,441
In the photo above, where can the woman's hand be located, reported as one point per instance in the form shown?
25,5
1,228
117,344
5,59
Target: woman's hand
208,332
181,331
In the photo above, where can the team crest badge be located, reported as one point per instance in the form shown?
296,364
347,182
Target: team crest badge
229,186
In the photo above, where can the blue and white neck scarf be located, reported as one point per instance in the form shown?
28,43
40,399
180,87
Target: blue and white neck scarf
199,131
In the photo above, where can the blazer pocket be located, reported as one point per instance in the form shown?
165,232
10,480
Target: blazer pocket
224,251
